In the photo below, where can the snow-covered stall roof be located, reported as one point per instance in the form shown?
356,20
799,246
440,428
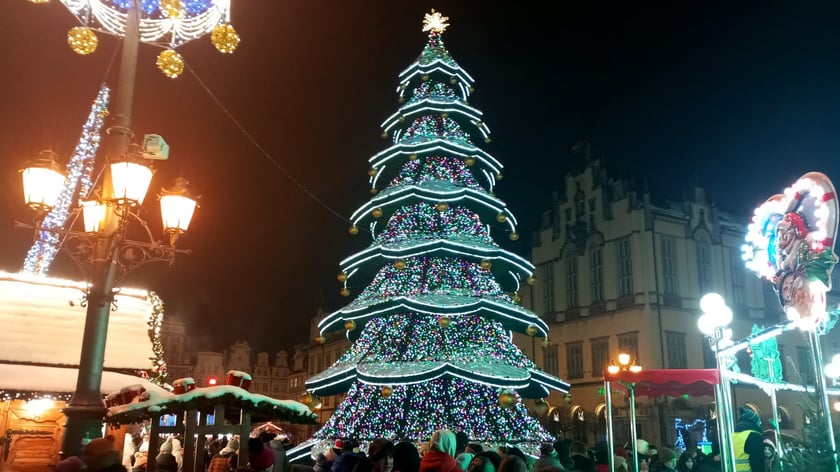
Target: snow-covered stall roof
261,407
43,322
31,378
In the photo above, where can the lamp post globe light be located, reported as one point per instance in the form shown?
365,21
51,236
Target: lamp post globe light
625,364
713,323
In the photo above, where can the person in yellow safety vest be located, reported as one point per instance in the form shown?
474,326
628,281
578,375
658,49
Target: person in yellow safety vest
748,442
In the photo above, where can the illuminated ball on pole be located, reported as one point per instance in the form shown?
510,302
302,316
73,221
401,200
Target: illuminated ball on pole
170,63
82,40
225,38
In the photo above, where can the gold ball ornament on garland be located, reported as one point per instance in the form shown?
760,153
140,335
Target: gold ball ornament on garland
353,230
399,264
225,38
412,157
514,236
444,321
401,119
442,207
345,292
82,40
507,399
372,171
170,63
486,265
349,325
546,342
444,115
472,89
171,8
401,100
531,280
377,212
470,161
308,399
499,176
501,217
320,339
531,330
425,77
341,277
387,392
373,191
487,140
384,135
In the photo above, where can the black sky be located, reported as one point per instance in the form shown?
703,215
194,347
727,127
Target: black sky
741,99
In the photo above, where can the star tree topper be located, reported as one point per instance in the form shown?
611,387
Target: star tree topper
435,22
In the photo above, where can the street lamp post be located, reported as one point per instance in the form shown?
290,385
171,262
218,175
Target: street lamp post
625,364
713,323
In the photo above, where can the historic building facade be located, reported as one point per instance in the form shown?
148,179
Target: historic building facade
618,273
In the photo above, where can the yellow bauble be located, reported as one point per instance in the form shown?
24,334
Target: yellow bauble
225,38
399,264
425,77
170,63
472,89
470,161
320,340
354,230
341,277
501,218
377,212
349,325
373,191
401,100
514,236
486,265
387,392
532,280
384,135
507,399
401,119
444,321
487,140
531,330
372,171
308,399
171,8
453,80
442,207
546,342
412,157
499,176
82,40
345,292
444,115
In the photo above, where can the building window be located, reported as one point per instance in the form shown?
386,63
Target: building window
628,343
600,355
709,361
669,265
574,360
580,205
625,267
550,363
548,287
571,282
738,282
596,269
568,214
592,204
677,357
806,366
704,266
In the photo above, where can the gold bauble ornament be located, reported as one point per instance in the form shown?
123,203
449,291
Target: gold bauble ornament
499,176
531,330
472,89
501,217
372,171
377,212
345,292
546,342
507,399
412,157
401,100
170,63
373,191
82,40
320,339
171,8
401,118
308,399
444,321
354,230
225,38
387,392
453,80
487,140
349,325
514,236
470,161
341,277
384,135
532,280
441,207
425,77
486,265
399,264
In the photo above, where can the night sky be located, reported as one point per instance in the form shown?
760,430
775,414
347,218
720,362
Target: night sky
740,99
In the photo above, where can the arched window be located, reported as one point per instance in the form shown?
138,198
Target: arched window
703,248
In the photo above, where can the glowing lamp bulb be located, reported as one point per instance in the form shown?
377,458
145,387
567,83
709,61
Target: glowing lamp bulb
613,369
706,324
212,382
832,370
712,302
635,368
624,359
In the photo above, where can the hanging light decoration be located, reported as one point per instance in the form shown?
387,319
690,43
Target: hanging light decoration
225,38
82,40
171,8
170,63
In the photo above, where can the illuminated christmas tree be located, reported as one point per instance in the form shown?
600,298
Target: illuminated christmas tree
435,297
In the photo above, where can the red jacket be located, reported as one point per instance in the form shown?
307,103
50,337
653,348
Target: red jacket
436,461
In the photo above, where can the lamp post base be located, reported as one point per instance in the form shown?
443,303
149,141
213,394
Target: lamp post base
84,423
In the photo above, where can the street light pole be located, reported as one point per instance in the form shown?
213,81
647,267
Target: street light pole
86,409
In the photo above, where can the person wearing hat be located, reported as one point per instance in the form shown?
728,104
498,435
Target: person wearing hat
748,442
166,462
770,458
441,454
548,459
224,461
324,461
667,459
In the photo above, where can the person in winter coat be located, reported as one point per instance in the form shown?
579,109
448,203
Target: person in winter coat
440,456
224,461
324,461
100,456
380,457
748,442
406,457
548,459
349,457
260,458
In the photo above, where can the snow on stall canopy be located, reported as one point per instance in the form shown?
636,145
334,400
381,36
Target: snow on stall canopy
43,323
261,407
62,380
